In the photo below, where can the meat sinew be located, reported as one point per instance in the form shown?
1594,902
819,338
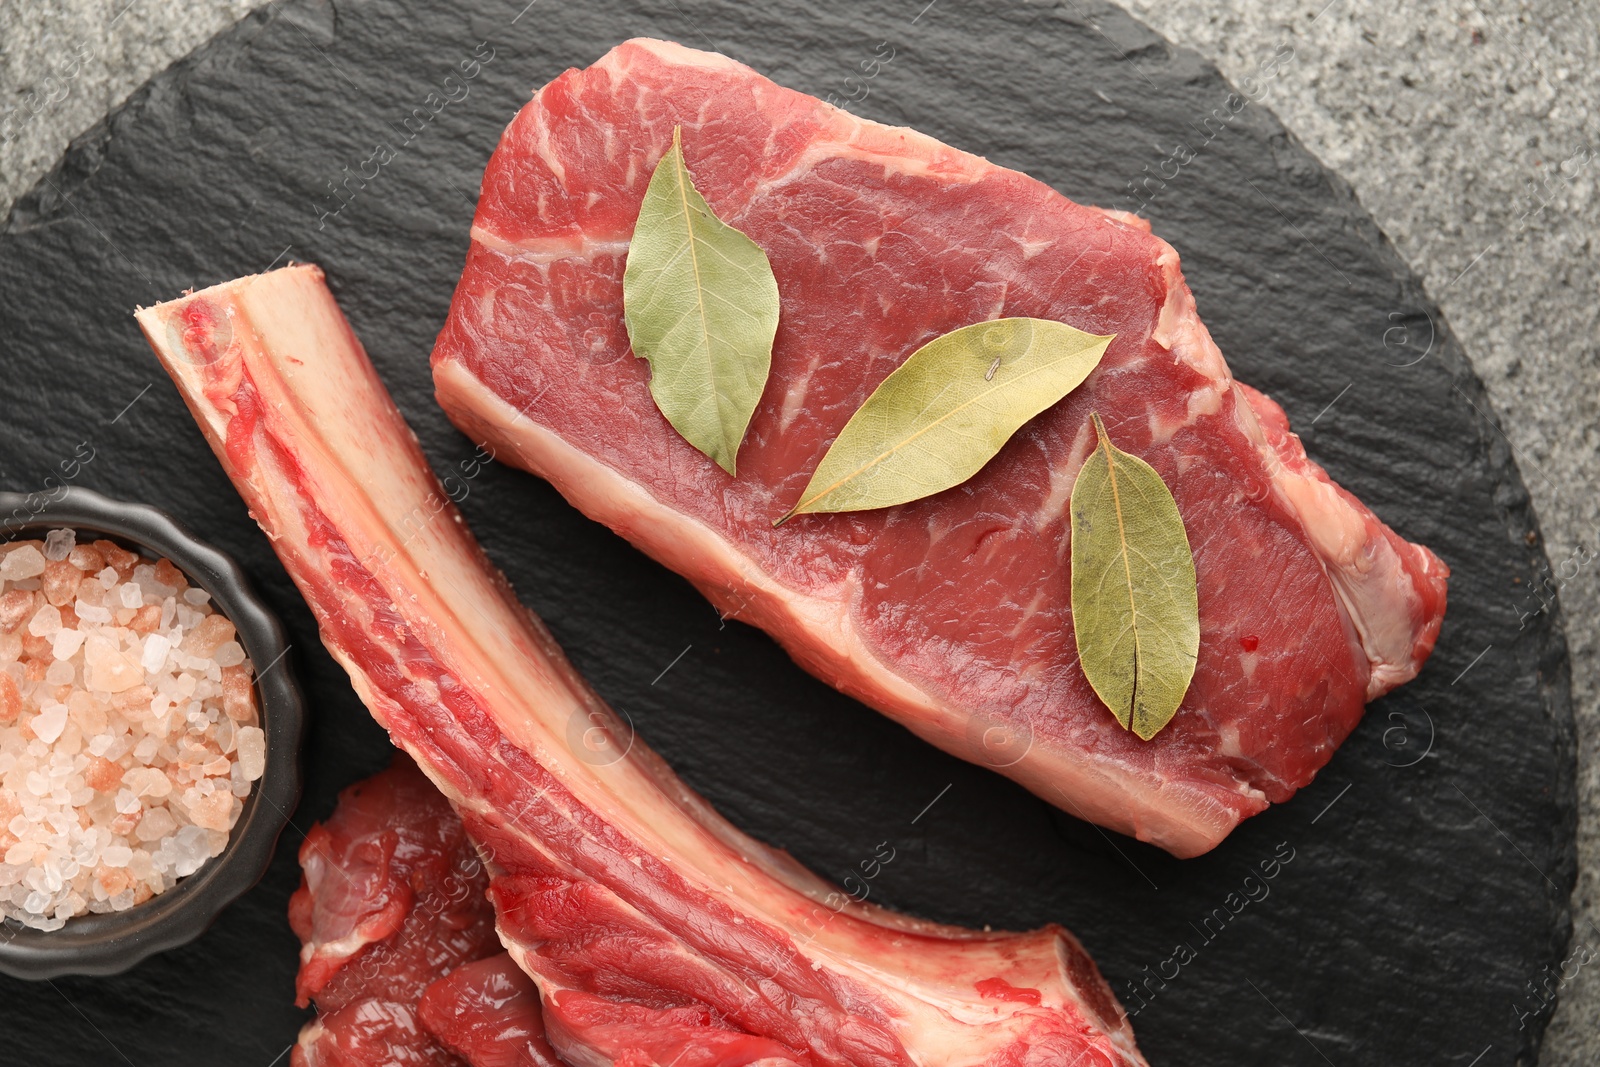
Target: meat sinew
655,931
952,614
398,943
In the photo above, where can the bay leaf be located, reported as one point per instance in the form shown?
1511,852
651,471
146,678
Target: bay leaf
1135,611
944,413
701,306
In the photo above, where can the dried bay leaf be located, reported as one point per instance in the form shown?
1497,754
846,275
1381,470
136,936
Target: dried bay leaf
944,413
1135,610
701,305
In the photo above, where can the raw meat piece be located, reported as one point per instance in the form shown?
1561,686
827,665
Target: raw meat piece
648,922
952,614
393,897
390,879
488,1013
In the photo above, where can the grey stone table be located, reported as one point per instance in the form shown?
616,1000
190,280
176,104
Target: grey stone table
1469,130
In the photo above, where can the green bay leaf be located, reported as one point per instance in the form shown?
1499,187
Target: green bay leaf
944,413
701,306
1135,612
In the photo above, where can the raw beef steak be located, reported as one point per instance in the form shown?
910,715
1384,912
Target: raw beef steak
951,614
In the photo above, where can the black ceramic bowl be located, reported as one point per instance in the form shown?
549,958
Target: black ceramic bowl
113,942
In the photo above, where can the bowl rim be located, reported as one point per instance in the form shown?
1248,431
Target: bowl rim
113,942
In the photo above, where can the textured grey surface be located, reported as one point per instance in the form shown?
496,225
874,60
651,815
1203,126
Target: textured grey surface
65,63
1468,131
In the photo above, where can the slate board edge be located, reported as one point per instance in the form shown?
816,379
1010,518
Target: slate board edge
49,200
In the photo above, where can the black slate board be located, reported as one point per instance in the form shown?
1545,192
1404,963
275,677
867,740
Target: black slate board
1425,891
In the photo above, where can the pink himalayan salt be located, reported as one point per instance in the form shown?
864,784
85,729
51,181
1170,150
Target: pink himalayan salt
22,563
59,583
238,696
45,622
86,559
157,824
10,699
187,728
147,782
252,752
210,812
102,775
118,558
109,669
16,607
212,631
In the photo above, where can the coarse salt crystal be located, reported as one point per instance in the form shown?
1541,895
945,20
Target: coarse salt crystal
130,596
22,563
91,613
58,544
190,849
46,621
154,657
193,595
211,811
108,577
66,643
252,744
116,855
48,724
147,782
109,670
156,824
145,576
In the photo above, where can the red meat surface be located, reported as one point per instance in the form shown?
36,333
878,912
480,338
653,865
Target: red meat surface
391,888
398,942
392,898
488,1013
651,926
951,614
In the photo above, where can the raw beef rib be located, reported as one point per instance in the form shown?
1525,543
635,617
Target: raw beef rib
655,931
953,614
